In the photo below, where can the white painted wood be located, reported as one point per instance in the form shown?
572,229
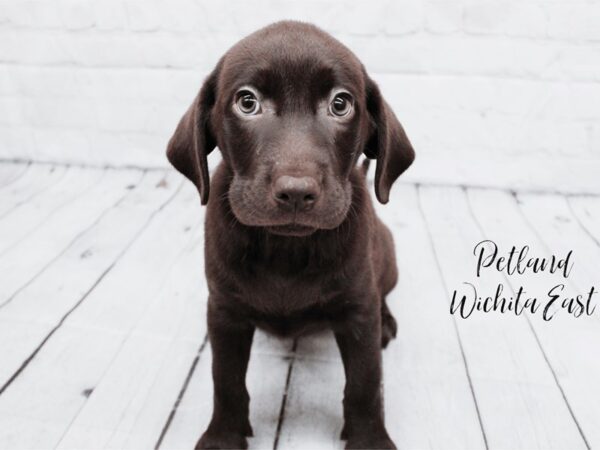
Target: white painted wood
78,355
527,173
552,218
25,260
568,342
266,379
38,308
587,211
313,414
160,349
519,402
9,173
172,326
17,226
193,413
35,180
426,384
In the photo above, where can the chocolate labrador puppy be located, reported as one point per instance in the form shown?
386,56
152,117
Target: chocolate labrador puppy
292,240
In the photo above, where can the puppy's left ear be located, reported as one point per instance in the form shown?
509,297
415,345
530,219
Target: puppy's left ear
387,143
193,139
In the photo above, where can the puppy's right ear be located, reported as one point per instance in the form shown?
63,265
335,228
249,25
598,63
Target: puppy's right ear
193,139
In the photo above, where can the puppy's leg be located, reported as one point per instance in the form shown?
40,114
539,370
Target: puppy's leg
387,270
358,336
389,328
230,339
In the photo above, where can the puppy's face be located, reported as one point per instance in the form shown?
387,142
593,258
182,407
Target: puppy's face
291,124
291,110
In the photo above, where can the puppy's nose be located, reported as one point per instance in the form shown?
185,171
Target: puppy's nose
300,193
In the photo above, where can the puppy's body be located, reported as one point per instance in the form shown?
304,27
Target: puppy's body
292,239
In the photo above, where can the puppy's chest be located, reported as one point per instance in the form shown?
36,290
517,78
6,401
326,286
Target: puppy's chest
291,306
286,294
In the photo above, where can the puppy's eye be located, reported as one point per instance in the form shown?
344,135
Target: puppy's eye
341,105
247,103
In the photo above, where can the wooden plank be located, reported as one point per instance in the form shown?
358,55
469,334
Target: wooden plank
564,339
141,379
40,306
313,411
10,172
78,355
34,181
519,402
552,218
17,226
518,172
266,381
426,382
193,412
587,212
25,260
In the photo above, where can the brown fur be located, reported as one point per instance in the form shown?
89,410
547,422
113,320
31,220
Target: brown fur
287,267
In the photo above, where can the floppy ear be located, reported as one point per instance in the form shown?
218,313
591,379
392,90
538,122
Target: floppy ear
387,143
193,139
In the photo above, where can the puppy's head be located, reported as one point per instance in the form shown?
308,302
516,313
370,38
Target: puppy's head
291,110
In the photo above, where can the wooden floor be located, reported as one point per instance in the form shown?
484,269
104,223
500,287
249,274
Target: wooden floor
103,335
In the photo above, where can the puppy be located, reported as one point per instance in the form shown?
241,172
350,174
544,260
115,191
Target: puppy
292,240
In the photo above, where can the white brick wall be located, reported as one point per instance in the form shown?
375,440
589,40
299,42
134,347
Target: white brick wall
491,92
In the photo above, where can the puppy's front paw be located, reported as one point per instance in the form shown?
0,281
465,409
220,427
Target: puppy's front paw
221,438
224,440
369,441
